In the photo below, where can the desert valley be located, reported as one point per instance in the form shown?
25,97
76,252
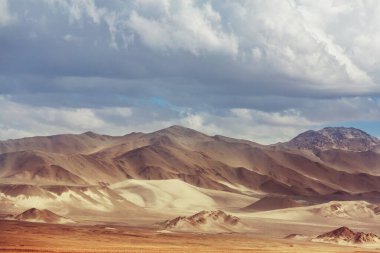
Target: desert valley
189,126
178,189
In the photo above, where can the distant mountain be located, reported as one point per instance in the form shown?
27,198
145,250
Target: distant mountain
91,166
350,139
64,143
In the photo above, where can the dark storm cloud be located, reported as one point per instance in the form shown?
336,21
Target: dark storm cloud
212,62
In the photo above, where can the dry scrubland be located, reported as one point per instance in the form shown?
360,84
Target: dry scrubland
32,237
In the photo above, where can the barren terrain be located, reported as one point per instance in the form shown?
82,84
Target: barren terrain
178,190
33,237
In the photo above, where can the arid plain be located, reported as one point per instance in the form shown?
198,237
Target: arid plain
33,237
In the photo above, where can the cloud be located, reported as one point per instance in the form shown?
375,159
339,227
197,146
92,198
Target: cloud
181,25
42,120
20,120
5,16
262,127
262,70
290,37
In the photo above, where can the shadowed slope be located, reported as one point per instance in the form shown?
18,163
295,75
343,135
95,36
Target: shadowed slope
212,162
272,203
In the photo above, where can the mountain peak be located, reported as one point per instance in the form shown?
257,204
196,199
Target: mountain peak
91,134
178,128
350,132
343,138
180,131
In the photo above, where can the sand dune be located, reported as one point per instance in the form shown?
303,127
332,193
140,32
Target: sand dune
65,199
160,194
347,209
176,194
331,212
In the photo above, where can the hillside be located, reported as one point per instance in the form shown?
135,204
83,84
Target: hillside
346,166
42,216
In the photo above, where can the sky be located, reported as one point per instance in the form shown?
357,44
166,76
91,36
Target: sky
259,70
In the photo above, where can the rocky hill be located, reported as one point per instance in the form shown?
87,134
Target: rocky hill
350,139
205,221
344,235
42,216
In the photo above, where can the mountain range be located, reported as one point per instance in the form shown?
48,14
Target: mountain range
317,166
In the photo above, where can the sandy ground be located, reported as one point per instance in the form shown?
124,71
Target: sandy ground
34,237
